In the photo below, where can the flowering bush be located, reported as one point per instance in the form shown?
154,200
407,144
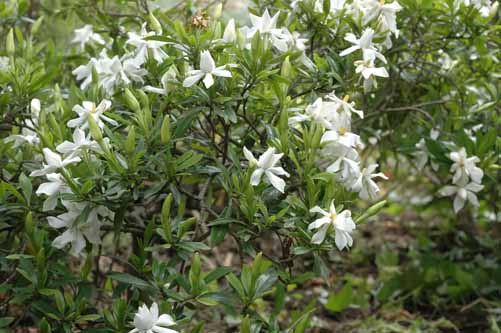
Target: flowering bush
140,154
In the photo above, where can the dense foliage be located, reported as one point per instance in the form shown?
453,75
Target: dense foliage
176,167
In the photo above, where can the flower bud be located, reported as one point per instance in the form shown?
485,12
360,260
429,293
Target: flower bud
131,100
36,25
154,24
10,47
286,69
165,130
95,131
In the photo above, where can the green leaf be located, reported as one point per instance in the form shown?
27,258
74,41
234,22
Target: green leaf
5,321
130,279
217,274
340,301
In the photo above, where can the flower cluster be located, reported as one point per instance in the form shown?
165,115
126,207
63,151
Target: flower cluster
466,179
81,219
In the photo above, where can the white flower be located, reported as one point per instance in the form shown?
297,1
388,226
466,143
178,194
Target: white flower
85,35
369,72
207,70
346,165
388,11
84,73
52,188
319,113
169,75
266,165
26,135
115,71
342,223
89,109
80,142
341,134
77,230
463,194
230,32
148,321
344,107
366,187
143,46
54,163
35,108
464,167
363,43
266,25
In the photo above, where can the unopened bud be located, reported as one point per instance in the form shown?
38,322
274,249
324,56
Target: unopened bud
131,100
95,131
286,69
155,24
165,130
10,47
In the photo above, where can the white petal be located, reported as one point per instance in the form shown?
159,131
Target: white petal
221,72
166,320
256,177
48,188
319,222
276,181
49,203
191,80
319,236
249,156
206,62
60,241
458,203
57,223
53,159
208,80
319,210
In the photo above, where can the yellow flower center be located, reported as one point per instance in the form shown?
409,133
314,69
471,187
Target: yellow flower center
342,131
93,110
381,2
333,216
347,97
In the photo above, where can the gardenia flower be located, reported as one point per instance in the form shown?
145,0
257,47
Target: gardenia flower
346,165
367,189
76,230
148,321
369,72
26,135
319,112
207,70
341,134
463,194
89,109
266,25
85,35
363,43
169,75
388,11
54,163
266,165
52,188
84,73
80,142
115,71
344,107
143,46
342,223
464,167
